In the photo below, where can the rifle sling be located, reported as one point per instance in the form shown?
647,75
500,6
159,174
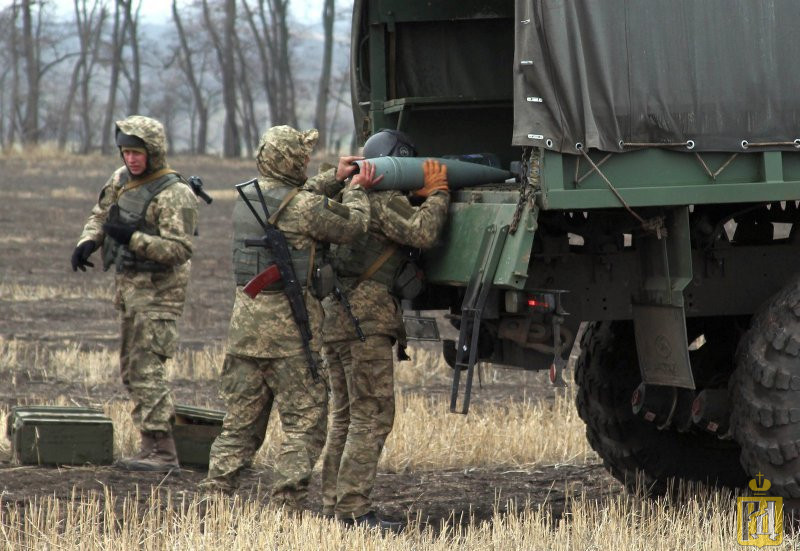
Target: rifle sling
289,196
380,261
274,219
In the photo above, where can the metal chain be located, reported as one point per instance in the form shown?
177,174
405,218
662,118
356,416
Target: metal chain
526,188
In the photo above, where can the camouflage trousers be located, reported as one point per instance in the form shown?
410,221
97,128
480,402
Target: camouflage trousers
146,344
249,387
361,379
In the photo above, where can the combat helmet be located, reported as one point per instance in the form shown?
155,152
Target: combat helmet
389,143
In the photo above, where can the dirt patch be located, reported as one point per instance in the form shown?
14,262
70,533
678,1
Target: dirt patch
432,497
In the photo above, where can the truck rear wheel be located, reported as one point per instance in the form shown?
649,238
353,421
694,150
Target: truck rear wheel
766,393
607,372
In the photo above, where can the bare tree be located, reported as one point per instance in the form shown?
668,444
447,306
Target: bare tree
339,100
280,10
135,73
260,35
87,72
200,102
13,109
30,130
231,146
117,44
89,25
103,41
38,35
323,91
270,30
248,109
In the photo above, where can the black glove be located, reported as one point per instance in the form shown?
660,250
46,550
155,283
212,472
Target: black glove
81,254
121,233
402,355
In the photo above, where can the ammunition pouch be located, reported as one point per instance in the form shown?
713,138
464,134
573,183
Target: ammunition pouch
323,281
127,261
409,281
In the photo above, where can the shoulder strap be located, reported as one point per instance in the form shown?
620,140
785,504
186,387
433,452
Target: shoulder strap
160,185
380,261
286,200
136,182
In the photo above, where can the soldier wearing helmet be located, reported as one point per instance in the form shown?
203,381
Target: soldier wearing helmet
144,220
389,143
376,273
265,361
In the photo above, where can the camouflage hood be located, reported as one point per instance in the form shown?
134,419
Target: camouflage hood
282,154
152,133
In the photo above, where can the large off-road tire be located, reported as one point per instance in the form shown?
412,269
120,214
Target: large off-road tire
765,393
607,372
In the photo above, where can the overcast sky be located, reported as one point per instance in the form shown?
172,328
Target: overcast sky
304,11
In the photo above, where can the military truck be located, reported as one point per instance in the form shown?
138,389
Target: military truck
658,151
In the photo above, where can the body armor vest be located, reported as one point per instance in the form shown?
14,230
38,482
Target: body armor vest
398,272
250,261
130,209
355,258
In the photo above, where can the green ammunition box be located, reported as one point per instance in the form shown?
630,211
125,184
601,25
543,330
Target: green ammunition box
54,435
194,431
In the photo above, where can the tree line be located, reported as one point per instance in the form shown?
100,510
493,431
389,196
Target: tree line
217,73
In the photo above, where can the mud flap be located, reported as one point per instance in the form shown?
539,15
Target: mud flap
658,314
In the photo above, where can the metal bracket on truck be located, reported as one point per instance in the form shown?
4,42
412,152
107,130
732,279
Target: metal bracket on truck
472,310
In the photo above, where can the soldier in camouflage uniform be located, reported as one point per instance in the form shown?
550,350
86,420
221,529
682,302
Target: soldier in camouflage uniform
361,373
144,220
265,361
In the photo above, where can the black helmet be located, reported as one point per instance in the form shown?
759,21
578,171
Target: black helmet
389,143
129,140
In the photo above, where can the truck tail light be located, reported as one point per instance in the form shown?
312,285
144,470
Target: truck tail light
542,302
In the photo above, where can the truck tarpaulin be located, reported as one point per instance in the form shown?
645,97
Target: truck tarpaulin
610,73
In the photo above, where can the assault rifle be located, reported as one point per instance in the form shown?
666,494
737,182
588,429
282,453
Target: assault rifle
197,187
281,270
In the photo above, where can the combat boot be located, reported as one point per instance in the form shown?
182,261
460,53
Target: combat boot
370,520
208,487
158,454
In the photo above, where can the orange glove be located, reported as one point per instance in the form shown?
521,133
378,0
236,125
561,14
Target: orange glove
435,174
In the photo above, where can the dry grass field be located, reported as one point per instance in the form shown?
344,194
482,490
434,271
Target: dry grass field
516,473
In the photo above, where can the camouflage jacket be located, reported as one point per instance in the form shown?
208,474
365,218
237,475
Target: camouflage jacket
264,327
173,212
379,312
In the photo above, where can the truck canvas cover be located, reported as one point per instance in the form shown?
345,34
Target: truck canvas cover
610,73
